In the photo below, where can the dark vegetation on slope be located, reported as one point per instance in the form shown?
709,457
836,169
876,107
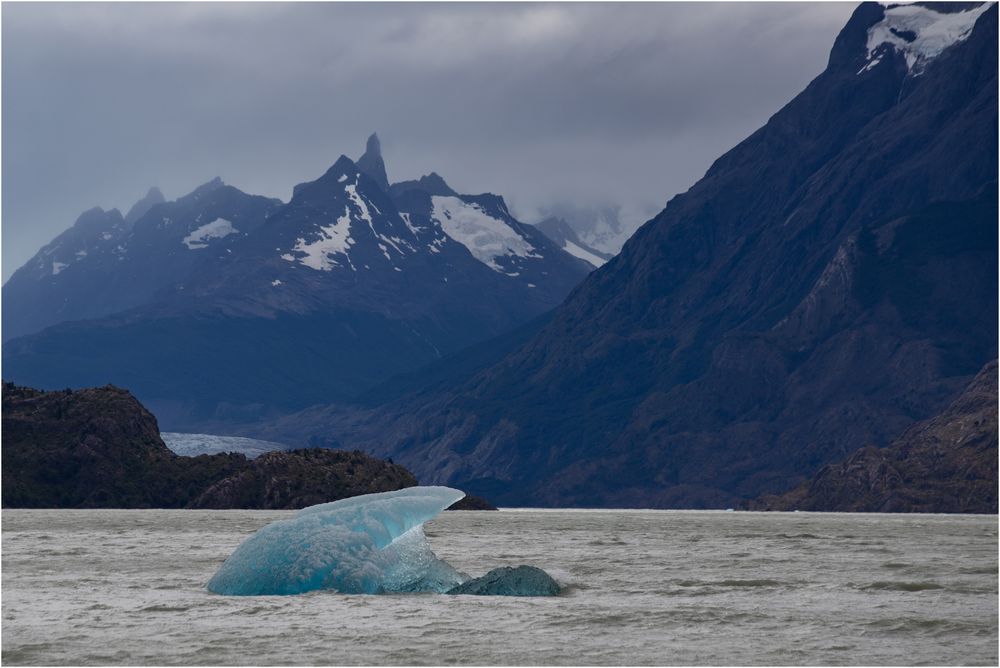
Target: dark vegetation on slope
300,478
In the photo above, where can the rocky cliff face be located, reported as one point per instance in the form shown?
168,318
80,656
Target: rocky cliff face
100,448
946,464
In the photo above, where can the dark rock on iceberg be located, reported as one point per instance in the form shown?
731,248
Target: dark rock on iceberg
507,581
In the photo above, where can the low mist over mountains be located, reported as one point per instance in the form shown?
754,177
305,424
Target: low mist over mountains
566,238
831,280
601,228
224,305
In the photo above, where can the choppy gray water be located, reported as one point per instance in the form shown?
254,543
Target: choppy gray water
644,587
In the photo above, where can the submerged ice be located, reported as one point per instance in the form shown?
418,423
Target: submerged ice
366,544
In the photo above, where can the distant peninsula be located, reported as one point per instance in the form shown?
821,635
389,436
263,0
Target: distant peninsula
101,448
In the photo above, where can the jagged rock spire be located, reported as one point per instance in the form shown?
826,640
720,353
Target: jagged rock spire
371,163
139,209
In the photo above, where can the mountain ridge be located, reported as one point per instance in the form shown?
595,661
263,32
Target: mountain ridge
275,306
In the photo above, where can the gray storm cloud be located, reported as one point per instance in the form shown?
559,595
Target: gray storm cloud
542,103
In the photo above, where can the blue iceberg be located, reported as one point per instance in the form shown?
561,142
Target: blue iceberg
370,544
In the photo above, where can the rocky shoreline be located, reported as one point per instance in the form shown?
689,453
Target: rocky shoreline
947,464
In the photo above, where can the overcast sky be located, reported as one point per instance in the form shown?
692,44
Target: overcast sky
541,103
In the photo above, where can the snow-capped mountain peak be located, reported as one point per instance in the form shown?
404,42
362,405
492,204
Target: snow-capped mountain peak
95,230
343,286
346,220
919,32
340,212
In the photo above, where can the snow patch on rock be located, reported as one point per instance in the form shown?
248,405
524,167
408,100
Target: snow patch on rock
486,237
217,229
334,239
583,254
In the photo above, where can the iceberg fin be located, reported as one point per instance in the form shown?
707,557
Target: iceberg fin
366,544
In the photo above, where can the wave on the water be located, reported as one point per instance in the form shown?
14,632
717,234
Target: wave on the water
902,586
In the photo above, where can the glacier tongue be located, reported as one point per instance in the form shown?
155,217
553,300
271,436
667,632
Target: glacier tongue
361,545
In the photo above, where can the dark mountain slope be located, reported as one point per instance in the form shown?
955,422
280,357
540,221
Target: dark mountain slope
38,294
946,464
444,374
829,281
105,264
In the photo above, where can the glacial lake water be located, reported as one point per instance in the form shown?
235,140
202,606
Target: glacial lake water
643,587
